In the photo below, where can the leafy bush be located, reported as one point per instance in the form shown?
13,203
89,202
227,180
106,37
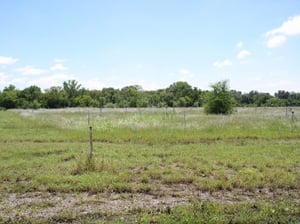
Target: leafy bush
219,101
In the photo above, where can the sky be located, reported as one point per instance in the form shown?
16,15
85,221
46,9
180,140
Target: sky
255,44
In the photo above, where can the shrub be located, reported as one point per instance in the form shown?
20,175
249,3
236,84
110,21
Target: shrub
219,100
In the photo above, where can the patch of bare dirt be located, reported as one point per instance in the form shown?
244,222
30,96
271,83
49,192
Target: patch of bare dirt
47,205
41,205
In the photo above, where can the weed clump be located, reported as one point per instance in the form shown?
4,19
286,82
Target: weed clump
92,164
85,165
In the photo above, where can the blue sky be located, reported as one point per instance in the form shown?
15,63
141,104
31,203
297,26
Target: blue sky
255,44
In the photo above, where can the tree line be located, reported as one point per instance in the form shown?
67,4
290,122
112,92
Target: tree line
178,94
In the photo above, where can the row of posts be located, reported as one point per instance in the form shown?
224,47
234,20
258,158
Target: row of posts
166,114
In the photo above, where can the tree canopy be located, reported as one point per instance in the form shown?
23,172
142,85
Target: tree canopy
178,94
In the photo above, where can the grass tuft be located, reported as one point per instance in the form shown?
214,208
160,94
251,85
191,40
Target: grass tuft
85,165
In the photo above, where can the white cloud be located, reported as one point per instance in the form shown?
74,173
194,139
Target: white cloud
278,84
30,70
276,41
58,67
92,84
185,75
3,77
118,83
19,81
184,71
278,36
43,82
151,85
288,28
52,80
240,44
243,54
7,60
291,85
145,84
221,64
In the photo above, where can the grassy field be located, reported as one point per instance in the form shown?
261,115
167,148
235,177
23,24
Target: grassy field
150,166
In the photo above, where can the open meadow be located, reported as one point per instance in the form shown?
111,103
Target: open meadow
155,165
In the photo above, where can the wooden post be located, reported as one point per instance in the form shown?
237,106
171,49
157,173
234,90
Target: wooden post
89,118
292,121
91,143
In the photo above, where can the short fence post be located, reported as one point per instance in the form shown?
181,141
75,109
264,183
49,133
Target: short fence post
100,111
292,122
184,118
91,143
89,118
166,112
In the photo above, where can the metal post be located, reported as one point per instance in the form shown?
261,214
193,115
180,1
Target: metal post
292,122
166,111
184,118
100,111
91,142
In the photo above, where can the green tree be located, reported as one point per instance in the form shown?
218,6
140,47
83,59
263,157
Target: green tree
282,94
72,89
262,98
55,97
162,98
180,94
129,96
237,96
108,95
85,101
219,100
9,97
30,97
143,99
153,98
276,102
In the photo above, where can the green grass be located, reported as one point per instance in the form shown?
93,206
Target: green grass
119,167
159,154
208,212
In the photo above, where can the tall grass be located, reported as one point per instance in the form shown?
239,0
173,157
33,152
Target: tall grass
155,126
